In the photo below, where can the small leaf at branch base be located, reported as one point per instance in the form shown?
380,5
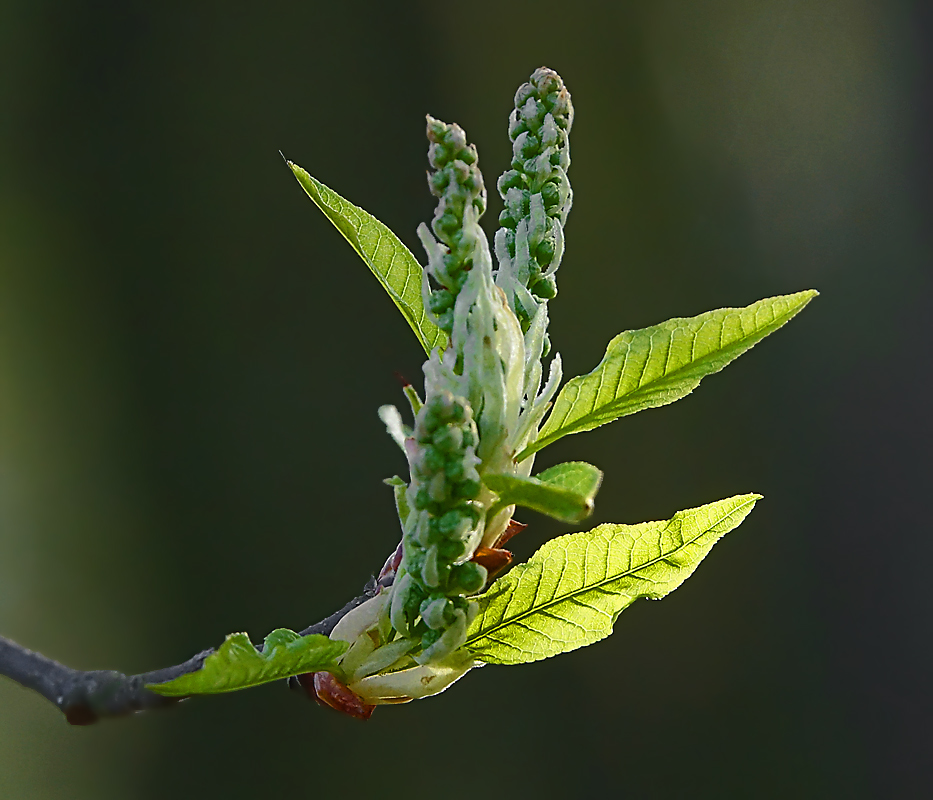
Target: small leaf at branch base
658,365
390,261
571,591
237,664
399,489
564,492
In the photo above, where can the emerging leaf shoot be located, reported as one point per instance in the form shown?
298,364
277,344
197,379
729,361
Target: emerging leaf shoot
471,447
431,615
237,664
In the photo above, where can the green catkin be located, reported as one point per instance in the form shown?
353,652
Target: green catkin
455,179
443,526
536,193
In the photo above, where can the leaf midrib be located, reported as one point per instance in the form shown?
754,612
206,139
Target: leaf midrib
580,422
599,584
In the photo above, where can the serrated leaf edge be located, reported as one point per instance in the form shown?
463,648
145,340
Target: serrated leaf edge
587,421
544,553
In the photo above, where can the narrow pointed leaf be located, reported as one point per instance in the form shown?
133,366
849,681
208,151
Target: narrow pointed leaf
564,492
237,664
658,365
399,489
390,261
571,591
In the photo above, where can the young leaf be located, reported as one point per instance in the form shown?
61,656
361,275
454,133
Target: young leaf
237,664
399,489
564,492
390,261
571,591
658,365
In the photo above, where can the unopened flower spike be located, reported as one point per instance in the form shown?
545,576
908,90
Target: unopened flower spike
456,181
536,193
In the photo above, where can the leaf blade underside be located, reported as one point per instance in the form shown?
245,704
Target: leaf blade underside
655,366
569,594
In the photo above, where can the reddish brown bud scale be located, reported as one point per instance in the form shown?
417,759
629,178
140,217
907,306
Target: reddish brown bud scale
390,568
493,559
511,529
328,691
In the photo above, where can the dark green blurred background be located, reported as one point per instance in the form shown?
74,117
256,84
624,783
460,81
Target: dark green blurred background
191,359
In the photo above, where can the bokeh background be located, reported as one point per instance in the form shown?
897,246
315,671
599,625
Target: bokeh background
191,359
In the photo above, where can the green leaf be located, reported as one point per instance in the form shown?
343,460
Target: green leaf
570,592
390,261
399,489
237,664
565,492
655,366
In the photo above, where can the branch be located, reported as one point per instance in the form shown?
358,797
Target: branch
87,696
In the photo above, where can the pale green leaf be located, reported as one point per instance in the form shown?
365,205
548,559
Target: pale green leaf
399,489
565,492
390,261
570,592
237,664
658,365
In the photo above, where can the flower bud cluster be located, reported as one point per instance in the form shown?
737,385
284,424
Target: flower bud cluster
536,193
443,528
456,180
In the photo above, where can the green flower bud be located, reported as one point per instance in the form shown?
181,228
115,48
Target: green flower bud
437,182
451,550
510,179
448,438
506,220
545,252
469,488
454,523
454,470
523,94
550,193
436,612
545,288
438,156
470,577
422,498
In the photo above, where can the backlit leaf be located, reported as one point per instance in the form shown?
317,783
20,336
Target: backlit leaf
571,591
564,492
237,664
390,261
658,365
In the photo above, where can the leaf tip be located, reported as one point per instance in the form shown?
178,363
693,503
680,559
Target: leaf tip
751,497
748,502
